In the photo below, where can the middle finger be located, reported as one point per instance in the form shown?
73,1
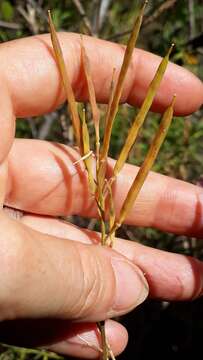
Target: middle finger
44,180
170,276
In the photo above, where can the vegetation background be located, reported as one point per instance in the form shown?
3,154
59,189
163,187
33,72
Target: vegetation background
155,328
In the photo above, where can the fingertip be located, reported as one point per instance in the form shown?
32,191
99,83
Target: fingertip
36,55
86,343
117,336
177,79
189,89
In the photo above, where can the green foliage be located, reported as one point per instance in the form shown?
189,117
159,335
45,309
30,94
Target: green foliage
181,152
60,17
23,129
7,10
20,353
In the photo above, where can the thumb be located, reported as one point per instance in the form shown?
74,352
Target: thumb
44,276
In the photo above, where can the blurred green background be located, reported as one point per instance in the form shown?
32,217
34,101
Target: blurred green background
166,329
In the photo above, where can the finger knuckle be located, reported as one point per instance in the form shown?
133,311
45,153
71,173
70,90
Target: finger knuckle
94,292
13,265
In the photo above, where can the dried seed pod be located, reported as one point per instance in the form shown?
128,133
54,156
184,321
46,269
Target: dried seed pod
66,83
146,166
140,117
119,86
92,96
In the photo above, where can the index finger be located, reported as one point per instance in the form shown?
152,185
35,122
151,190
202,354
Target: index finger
29,68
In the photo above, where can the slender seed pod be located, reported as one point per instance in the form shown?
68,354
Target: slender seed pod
140,117
119,86
92,96
146,166
66,82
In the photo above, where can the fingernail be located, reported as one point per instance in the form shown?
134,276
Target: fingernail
131,287
87,339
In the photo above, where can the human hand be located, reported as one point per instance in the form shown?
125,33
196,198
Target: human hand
48,269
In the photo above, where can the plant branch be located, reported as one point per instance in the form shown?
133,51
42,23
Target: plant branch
46,125
147,20
191,18
104,6
84,16
10,25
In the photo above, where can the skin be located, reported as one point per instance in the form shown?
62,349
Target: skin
53,275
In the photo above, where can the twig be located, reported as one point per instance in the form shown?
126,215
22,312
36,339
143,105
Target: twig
67,130
10,25
158,12
33,128
191,18
95,16
104,6
38,8
30,17
84,16
147,20
44,129
46,125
